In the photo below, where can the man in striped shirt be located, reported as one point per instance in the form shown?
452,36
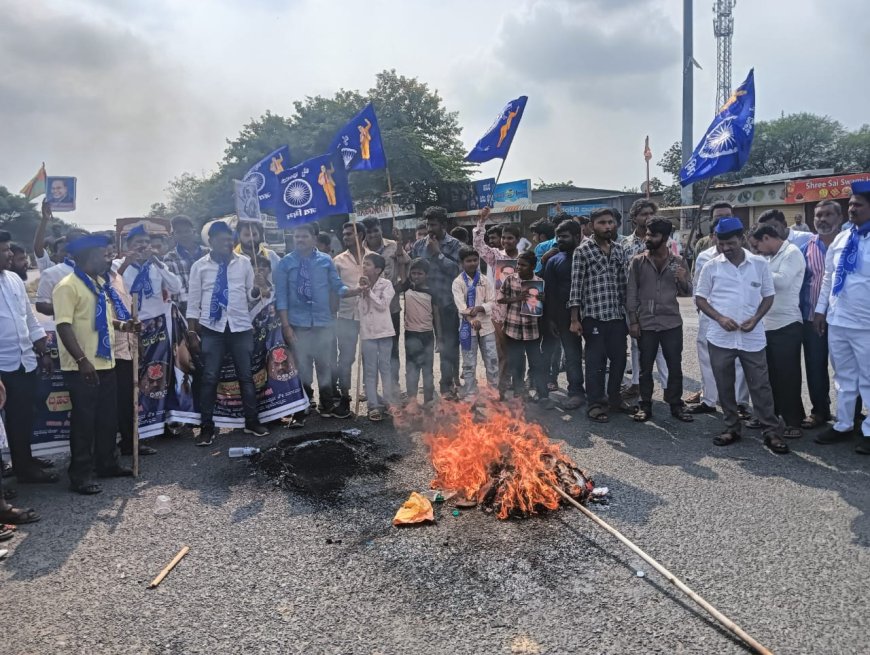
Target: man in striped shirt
827,220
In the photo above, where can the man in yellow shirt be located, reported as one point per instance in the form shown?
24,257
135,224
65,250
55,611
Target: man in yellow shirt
86,308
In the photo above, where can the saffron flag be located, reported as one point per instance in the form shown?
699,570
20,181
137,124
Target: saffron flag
265,175
647,153
36,186
726,144
313,190
359,142
498,138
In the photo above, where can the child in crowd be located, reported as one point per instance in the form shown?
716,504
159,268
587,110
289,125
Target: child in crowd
474,297
376,333
521,332
421,317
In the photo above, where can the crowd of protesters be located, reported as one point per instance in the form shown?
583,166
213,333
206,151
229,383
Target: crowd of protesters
575,296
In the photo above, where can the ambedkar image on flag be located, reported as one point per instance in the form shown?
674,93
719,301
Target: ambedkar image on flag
498,138
313,190
264,174
359,142
726,144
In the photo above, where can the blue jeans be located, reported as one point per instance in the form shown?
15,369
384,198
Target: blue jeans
572,347
377,354
241,348
486,345
347,335
419,360
315,346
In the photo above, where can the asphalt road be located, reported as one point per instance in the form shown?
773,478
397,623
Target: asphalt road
777,543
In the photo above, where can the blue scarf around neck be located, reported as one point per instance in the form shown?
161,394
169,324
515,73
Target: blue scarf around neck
141,286
470,301
101,317
220,295
849,257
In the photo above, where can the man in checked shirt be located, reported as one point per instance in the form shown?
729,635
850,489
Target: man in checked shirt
597,304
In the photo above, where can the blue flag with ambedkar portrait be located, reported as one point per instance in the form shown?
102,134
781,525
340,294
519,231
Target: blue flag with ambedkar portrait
265,175
725,146
313,190
359,142
498,138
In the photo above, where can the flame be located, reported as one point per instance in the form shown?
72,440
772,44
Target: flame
495,455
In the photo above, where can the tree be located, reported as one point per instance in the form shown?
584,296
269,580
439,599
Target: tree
421,139
795,142
540,185
20,217
855,150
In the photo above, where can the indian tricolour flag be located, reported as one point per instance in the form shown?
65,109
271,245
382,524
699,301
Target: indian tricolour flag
36,186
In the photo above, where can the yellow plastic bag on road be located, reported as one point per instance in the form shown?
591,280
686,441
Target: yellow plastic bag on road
417,509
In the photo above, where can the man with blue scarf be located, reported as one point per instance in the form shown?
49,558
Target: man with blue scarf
86,309
222,287
843,310
146,277
474,297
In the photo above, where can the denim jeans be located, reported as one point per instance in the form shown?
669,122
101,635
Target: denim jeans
347,335
419,360
572,349
605,341
668,344
376,360
486,345
315,347
518,352
241,348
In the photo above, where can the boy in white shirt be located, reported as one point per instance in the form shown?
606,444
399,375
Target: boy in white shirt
376,333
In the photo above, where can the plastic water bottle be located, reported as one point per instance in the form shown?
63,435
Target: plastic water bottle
245,451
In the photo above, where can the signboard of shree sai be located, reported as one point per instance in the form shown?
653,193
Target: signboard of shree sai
822,188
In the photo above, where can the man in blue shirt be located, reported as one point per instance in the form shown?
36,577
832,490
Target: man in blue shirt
303,282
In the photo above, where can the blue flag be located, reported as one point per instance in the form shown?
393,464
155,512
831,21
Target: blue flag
726,145
359,142
313,190
497,140
265,175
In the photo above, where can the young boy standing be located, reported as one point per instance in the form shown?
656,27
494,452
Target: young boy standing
474,296
376,333
421,317
522,335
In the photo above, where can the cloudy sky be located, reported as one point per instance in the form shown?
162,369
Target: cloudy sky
126,94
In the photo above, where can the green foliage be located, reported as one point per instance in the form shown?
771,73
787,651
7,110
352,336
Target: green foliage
540,185
18,216
420,136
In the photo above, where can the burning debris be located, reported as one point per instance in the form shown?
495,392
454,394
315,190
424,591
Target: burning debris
319,463
495,459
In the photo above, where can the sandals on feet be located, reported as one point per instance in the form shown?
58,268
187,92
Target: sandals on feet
812,422
624,408
375,415
87,489
726,439
792,433
753,424
681,415
19,516
598,414
775,444
642,415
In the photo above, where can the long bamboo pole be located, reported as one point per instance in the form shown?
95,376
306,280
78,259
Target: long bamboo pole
670,577
134,307
359,371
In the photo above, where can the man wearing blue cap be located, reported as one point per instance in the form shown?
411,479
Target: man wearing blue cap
735,289
222,286
146,277
844,310
86,308
49,278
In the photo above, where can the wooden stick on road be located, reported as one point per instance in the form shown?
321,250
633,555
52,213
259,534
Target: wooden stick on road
166,569
670,577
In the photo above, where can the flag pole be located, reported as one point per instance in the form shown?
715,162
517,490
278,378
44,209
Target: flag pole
497,177
359,371
390,194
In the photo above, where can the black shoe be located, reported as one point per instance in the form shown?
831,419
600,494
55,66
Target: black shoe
87,488
143,451
831,435
864,447
36,476
700,408
206,436
325,411
342,409
117,472
42,463
256,429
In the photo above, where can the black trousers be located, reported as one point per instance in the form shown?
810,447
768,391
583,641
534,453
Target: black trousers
126,416
448,346
520,351
93,425
816,363
605,342
671,342
567,343
784,367
20,399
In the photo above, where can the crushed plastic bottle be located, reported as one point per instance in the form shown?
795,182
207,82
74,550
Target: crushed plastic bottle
243,451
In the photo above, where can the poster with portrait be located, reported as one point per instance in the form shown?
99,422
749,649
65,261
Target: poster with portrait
247,201
533,303
60,192
503,268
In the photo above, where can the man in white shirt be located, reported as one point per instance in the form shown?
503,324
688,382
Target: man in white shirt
349,268
783,326
22,349
777,219
844,310
146,277
49,278
736,291
221,288
705,401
